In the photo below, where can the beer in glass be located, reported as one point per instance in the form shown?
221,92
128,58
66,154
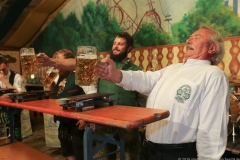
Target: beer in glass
85,66
49,77
4,132
28,59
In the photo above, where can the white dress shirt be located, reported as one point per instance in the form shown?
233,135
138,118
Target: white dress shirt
197,97
17,83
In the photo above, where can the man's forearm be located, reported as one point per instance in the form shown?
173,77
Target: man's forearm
66,64
7,84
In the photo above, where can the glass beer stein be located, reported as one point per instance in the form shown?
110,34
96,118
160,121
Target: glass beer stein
85,66
28,59
49,77
4,131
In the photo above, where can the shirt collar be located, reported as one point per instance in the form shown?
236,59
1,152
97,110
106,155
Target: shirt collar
190,62
8,75
124,63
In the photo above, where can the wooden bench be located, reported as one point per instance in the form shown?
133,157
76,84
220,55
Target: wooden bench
20,151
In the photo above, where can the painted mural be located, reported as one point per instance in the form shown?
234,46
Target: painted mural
152,23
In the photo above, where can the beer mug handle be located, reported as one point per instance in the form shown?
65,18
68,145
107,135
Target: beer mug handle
99,58
8,131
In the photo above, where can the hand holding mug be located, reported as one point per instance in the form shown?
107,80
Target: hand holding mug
105,69
42,59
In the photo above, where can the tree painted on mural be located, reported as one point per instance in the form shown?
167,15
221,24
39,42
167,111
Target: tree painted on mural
59,34
96,27
209,13
149,36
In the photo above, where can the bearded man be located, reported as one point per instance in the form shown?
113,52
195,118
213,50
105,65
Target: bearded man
122,45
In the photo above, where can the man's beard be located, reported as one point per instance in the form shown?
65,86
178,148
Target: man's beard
118,57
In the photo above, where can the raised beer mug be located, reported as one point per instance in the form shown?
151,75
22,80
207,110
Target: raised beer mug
28,61
86,61
49,77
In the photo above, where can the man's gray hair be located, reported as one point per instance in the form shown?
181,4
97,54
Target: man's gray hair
216,38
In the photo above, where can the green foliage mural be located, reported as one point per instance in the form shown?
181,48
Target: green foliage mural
209,13
149,36
94,29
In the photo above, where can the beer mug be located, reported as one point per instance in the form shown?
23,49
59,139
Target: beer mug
86,61
49,77
4,131
28,59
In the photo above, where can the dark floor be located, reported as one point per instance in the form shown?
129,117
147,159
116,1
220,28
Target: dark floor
37,141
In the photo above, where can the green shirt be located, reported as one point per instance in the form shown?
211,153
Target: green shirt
121,96
70,89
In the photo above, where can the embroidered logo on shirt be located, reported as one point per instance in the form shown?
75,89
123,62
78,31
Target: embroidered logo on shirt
183,93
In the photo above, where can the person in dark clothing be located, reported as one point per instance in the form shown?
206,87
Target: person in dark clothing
8,78
11,80
70,132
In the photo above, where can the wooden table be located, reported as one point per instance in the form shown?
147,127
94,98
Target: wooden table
122,117
20,151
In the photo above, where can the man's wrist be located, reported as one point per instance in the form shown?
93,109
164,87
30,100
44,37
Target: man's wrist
5,81
56,63
119,76
52,62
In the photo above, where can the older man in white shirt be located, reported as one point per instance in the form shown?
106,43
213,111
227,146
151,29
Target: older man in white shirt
196,94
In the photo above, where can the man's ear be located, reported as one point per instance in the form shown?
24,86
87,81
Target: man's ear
129,49
212,49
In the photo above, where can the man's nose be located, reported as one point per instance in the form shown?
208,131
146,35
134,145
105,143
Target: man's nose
115,47
189,41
